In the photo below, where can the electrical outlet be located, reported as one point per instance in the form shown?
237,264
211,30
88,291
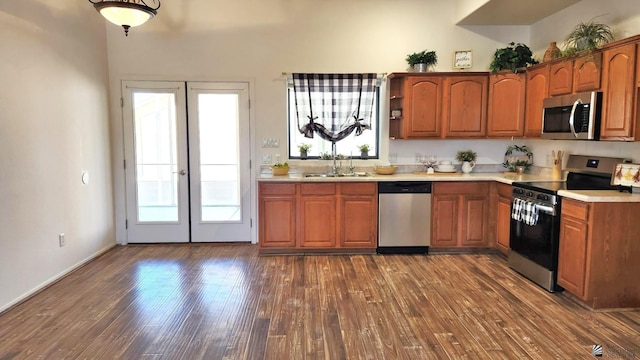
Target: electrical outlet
266,158
61,240
275,142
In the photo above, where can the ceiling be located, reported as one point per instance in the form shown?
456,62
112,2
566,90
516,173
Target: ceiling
513,12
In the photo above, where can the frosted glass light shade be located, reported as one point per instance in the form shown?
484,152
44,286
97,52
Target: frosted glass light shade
124,13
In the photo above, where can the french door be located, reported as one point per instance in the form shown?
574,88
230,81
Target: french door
187,153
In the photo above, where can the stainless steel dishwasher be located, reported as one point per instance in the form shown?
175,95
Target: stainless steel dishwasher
404,217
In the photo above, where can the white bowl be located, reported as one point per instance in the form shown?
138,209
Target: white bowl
446,167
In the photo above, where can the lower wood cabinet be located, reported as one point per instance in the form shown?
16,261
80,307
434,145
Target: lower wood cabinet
460,215
503,217
318,216
599,252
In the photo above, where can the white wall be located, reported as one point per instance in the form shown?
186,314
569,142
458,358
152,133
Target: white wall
259,40
53,125
624,18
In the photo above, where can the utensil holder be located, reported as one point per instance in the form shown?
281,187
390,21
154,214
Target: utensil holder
556,171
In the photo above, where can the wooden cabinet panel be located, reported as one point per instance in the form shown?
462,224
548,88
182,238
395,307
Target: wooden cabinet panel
358,221
465,106
318,189
474,224
561,78
537,91
423,109
587,72
277,211
503,223
445,222
506,105
460,214
618,87
317,221
572,256
368,188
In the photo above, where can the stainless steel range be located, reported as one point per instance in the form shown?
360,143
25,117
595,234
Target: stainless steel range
535,216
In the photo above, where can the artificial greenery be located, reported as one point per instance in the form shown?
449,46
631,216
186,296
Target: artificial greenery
364,148
304,147
281,165
587,36
423,57
467,155
325,155
512,57
523,157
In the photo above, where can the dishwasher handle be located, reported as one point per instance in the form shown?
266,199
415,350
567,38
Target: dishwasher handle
404,187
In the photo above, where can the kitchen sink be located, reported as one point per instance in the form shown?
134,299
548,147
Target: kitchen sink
324,175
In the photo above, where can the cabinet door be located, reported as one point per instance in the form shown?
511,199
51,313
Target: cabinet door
618,92
423,114
506,105
465,106
396,102
445,221
358,221
537,91
586,72
561,78
572,256
474,220
277,214
317,221
503,224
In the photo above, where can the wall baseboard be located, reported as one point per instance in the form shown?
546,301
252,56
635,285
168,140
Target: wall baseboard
55,279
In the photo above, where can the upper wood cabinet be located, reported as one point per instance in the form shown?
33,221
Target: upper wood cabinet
561,78
587,72
465,106
506,104
619,93
437,105
537,90
423,103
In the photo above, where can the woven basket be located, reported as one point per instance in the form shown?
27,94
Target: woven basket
280,170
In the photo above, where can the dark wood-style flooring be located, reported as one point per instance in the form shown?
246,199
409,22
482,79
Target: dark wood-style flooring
226,302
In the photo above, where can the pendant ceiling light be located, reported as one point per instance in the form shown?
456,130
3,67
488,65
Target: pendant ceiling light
127,13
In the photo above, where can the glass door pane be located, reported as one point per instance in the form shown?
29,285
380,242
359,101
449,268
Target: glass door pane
220,196
156,157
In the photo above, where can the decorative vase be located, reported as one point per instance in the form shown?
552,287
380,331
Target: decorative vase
553,52
364,154
303,155
467,166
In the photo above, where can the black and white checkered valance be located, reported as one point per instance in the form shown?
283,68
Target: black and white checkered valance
334,105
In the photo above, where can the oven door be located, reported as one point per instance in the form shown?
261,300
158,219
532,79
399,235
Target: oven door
538,243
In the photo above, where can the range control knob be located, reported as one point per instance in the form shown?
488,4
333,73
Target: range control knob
530,194
543,197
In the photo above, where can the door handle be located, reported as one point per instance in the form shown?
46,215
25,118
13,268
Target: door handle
572,116
181,172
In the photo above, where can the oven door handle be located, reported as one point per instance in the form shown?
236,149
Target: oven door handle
572,117
548,209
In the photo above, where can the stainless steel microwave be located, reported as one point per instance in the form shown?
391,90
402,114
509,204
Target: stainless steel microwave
572,117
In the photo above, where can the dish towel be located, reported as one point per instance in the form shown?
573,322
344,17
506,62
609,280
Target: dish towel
516,209
529,213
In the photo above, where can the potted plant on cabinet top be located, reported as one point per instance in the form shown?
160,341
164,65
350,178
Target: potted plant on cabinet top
422,61
304,149
587,37
512,57
364,151
468,160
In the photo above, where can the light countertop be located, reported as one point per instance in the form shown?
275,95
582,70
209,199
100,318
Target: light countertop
505,178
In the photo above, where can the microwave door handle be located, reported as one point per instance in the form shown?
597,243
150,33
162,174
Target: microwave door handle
572,117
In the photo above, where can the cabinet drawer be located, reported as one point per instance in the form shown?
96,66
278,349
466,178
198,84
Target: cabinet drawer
461,187
575,209
277,189
368,188
318,189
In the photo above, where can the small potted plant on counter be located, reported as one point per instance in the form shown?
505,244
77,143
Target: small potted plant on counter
422,61
517,158
364,151
304,149
468,160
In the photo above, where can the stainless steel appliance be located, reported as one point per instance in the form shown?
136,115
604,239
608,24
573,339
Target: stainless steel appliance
572,117
404,217
535,217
